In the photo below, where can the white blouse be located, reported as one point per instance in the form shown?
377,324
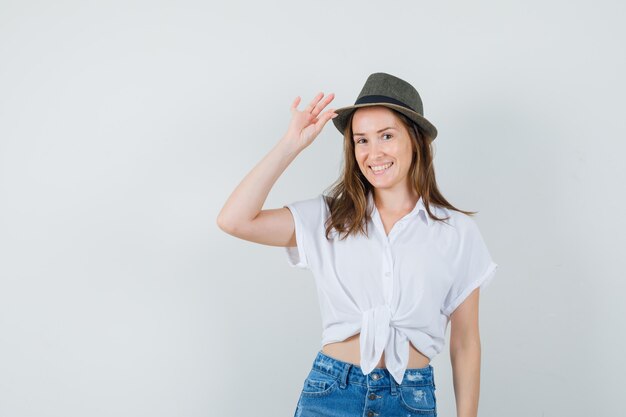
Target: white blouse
391,288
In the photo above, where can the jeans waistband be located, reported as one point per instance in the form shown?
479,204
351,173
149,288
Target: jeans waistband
379,377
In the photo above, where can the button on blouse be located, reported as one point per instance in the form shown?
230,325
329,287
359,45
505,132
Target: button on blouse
393,289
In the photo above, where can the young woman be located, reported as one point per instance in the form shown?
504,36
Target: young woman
393,261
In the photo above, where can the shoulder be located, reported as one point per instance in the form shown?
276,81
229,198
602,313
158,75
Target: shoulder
308,202
453,219
461,221
459,229
309,208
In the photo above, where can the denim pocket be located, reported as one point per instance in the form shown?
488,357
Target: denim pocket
319,384
419,399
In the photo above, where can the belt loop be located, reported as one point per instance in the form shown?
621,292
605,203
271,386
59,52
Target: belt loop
432,373
344,375
394,386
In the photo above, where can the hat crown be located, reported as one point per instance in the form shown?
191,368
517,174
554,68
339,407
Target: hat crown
382,89
382,84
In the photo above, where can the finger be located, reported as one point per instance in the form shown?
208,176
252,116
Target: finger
329,114
324,118
294,104
324,103
311,106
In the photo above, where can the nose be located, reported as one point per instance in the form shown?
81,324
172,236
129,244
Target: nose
376,150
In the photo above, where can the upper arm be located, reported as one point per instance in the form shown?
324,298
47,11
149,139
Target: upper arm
274,227
296,227
471,265
464,322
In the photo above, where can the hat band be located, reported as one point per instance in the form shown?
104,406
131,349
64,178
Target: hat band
381,99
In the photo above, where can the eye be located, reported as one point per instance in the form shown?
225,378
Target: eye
386,134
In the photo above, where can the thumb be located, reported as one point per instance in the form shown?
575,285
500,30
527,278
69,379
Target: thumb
330,114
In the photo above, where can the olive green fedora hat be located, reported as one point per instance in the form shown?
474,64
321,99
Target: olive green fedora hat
383,89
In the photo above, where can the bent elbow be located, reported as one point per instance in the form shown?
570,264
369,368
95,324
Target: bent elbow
224,225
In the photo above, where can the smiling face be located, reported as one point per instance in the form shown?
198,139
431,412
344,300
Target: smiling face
381,139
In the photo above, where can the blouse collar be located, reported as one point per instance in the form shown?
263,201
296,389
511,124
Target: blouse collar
418,207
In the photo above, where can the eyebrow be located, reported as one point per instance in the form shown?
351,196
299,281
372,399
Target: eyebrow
381,130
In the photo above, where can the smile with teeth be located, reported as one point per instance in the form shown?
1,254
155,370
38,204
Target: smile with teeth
379,169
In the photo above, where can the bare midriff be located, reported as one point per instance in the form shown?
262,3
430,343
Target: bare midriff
350,351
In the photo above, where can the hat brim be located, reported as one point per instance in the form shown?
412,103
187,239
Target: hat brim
341,121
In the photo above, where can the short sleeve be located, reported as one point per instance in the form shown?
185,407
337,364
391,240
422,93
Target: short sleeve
472,266
306,217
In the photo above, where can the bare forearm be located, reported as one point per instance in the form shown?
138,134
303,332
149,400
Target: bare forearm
247,200
466,378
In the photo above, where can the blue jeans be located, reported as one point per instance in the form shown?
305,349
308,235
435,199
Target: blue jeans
335,388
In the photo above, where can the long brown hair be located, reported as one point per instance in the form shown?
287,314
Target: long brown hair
347,197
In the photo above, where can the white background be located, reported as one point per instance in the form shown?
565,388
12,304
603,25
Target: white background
124,126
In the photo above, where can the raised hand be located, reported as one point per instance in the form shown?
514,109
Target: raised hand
305,125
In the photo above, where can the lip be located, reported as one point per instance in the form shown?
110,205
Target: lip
383,163
380,172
